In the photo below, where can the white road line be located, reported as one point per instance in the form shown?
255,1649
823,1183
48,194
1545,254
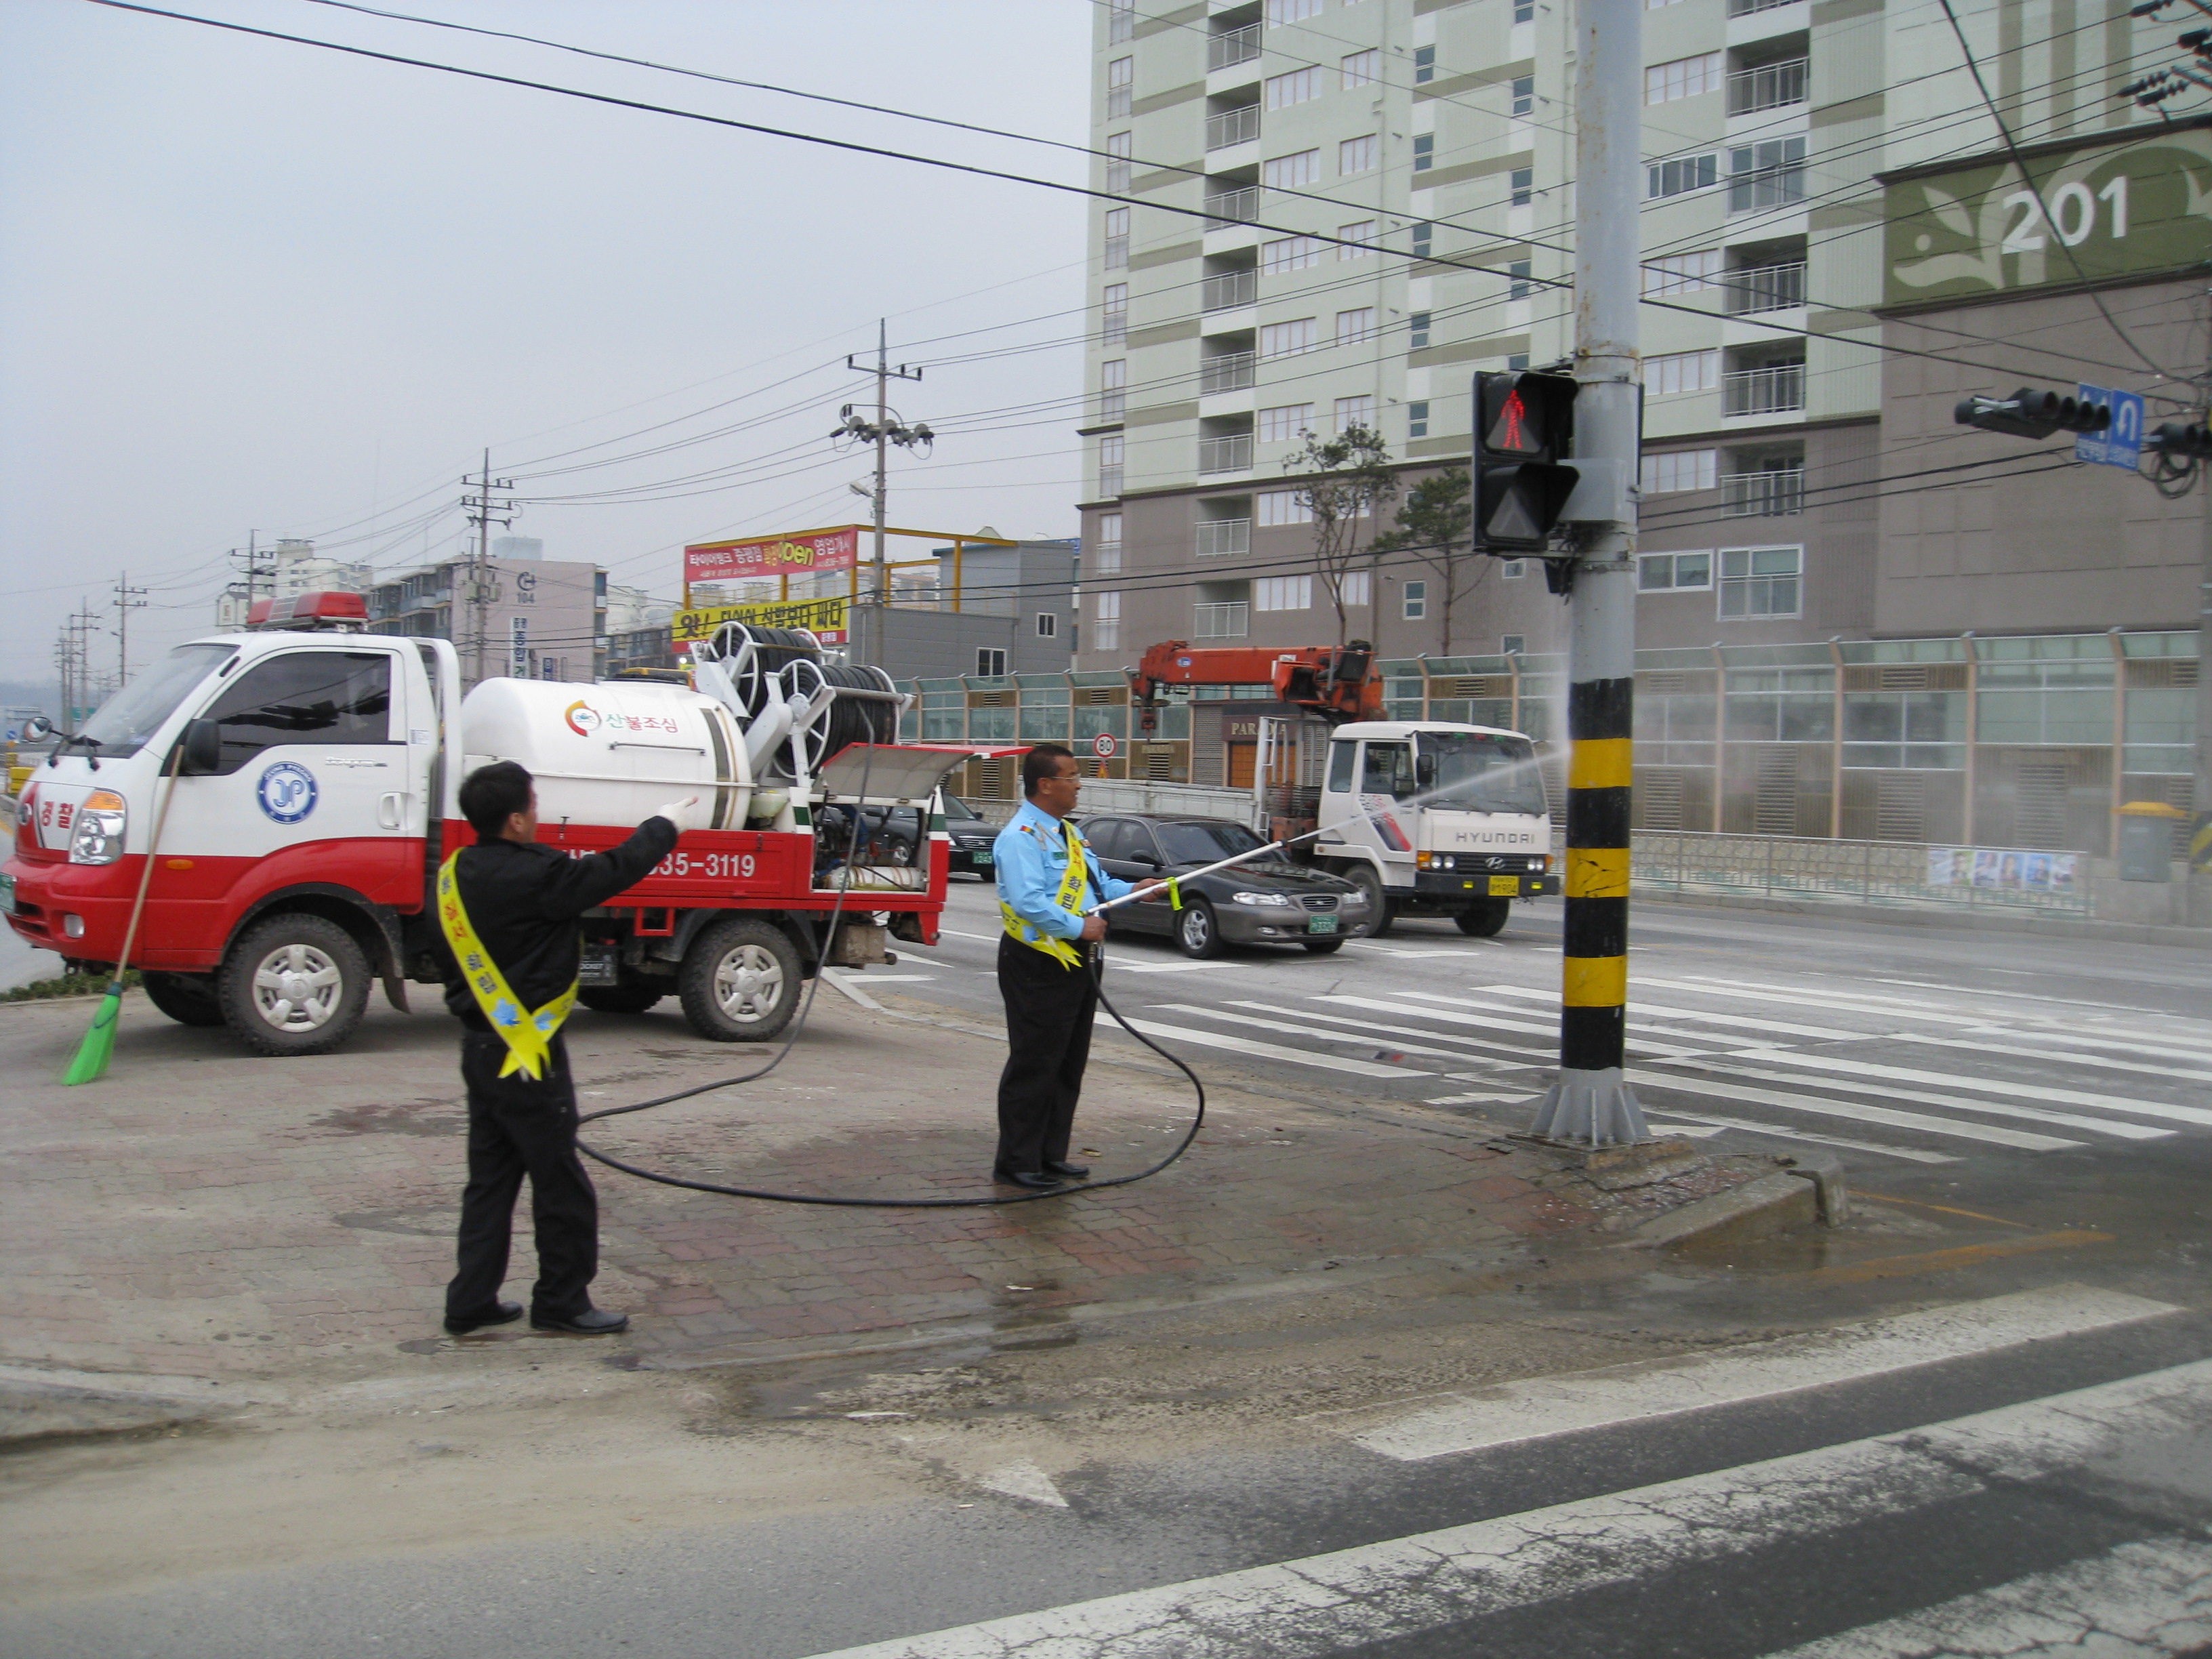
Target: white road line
2144,1600
1511,1100
1981,1085
1507,1414
1701,1042
2097,1039
894,979
2064,1056
986,938
1748,1126
2103,1125
1687,1131
1820,1106
1841,1001
2020,996
1172,967
1547,1056
1276,1051
1364,1040
1350,1599
1637,1005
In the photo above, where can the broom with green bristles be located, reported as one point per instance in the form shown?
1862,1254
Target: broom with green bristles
93,1054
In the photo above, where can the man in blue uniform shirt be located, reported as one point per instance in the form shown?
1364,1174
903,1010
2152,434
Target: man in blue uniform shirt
1048,879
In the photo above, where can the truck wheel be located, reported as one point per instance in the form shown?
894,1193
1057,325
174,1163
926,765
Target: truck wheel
740,981
628,998
1368,881
1486,918
188,999
1198,933
293,984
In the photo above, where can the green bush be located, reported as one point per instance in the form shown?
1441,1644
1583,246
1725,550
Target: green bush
65,985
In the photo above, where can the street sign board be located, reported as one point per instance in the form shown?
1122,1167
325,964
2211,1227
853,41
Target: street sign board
1104,746
2120,443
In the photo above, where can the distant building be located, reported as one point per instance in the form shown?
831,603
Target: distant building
536,618
527,549
289,567
1006,609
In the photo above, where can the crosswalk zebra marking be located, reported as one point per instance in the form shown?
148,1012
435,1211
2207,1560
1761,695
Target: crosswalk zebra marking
1841,1000
1655,1115
2117,1127
1276,1051
1546,1056
1818,1033
1704,1041
1821,1106
1983,1085
2063,1056
1365,1040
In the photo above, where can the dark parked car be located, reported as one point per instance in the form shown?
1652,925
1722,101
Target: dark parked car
1268,901
971,839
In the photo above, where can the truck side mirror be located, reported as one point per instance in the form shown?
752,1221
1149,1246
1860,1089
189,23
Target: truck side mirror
201,743
1424,770
37,729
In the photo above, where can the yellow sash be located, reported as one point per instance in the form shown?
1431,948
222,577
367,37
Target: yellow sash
1070,897
529,1036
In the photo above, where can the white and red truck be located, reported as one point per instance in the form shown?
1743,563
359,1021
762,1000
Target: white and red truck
317,772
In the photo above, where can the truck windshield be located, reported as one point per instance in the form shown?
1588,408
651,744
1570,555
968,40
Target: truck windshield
126,722
1466,773
1204,843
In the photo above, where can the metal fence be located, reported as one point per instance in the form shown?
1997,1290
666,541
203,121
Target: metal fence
1872,873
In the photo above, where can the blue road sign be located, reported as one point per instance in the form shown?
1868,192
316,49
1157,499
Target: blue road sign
2121,443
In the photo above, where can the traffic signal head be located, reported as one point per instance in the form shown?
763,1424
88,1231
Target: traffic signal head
1524,429
2182,439
2033,412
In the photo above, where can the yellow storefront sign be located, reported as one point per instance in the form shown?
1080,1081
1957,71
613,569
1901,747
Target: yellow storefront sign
825,617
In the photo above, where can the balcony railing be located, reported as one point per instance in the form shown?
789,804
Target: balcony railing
1113,403
1105,559
1219,538
1109,482
1770,86
1229,454
1769,389
1228,290
1232,126
1232,372
1232,47
1776,493
1745,8
1763,288
1232,621
1230,205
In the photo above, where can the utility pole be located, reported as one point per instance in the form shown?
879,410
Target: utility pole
484,510
253,569
78,686
884,434
1591,1103
127,600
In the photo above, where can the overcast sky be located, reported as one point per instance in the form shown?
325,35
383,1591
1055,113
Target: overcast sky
248,285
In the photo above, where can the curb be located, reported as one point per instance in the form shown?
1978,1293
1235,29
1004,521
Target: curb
42,1406
1780,1202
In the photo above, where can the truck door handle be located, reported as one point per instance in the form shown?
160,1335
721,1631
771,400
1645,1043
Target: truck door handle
391,810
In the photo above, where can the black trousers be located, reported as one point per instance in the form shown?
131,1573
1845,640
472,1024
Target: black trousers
1049,1013
522,1125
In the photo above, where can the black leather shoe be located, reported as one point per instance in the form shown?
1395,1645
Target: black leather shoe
592,1322
1069,1171
1030,1178
503,1313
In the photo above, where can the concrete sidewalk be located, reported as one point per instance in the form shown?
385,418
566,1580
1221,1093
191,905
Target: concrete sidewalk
204,1213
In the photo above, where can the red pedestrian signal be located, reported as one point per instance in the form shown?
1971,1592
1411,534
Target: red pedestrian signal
1524,430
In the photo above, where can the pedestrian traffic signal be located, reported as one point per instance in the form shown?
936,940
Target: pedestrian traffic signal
2032,412
1524,427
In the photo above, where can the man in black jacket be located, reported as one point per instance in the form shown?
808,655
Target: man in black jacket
520,901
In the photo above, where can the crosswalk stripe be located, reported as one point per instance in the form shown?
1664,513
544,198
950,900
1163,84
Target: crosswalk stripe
1981,1085
1637,1005
1736,989
1438,1426
1653,1115
1487,1022
1822,1107
1276,1051
2117,1128
2063,1056
1367,1040
1351,1599
2140,1600
1546,1055
2098,1039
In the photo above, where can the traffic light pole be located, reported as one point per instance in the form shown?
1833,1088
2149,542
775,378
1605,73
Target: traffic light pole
1591,1103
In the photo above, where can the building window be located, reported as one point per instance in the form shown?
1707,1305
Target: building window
1283,593
1361,68
1117,163
1110,465
1523,187
1416,601
1356,587
1355,327
1682,174
1681,371
1659,5
1765,485
1513,569
1120,82
1047,625
1762,581
1518,286
1291,11
1282,507
1288,339
1516,362
1114,314
1524,11
1424,151
1512,645
1416,418
1424,64
1293,171
1291,253
1106,549
1674,573
1296,88
1682,273
1417,331
1675,470
1359,155
1283,423
1113,389
1355,411
1362,230
1105,622
1425,236
1117,239
990,662
1685,78
1767,174
1524,94
1121,21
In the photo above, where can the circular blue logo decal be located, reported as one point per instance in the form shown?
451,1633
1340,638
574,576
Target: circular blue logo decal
287,792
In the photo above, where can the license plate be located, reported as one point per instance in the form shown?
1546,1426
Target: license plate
1320,924
1506,887
978,858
